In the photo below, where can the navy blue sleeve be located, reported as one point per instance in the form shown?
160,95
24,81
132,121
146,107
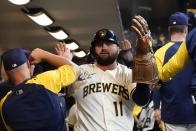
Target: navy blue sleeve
141,95
191,47
191,44
156,99
5,87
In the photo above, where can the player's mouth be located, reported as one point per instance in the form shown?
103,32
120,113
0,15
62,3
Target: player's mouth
104,53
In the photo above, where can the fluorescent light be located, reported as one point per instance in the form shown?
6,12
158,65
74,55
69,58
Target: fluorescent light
19,2
72,46
41,19
38,15
60,35
57,32
80,54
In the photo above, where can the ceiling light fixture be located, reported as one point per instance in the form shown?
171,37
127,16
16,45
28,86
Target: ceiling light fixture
19,2
71,44
57,32
39,15
80,53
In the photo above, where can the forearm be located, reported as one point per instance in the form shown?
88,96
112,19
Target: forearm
141,94
58,61
145,68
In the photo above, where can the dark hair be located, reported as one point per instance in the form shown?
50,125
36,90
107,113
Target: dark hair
177,29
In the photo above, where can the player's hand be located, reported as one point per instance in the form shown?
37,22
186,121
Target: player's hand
155,86
145,68
36,56
140,26
157,115
62,50
125,45
139,125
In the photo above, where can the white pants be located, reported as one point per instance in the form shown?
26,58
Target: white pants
180,127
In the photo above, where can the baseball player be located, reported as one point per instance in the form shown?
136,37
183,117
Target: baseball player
177,110
104,91
33,103
186,51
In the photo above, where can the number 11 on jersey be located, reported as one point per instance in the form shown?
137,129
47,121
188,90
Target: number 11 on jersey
118,108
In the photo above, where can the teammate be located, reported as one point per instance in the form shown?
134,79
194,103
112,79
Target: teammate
125,56
177,107
33,104
104,92
186,51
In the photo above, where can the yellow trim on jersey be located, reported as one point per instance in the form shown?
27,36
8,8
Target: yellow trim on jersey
160,55
1,110
136,110
175,64
56,79
52,80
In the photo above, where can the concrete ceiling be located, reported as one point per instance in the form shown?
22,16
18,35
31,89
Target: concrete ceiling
80,18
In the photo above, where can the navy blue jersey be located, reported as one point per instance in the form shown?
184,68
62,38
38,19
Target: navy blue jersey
34,105
175,94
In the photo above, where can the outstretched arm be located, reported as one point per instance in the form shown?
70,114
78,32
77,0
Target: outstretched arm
39,55
145,69
186,51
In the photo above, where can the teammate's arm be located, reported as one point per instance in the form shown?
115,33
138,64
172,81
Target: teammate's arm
186,51
56,79
145,69
175,64
39,55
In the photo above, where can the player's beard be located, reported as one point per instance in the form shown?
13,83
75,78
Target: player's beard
108,60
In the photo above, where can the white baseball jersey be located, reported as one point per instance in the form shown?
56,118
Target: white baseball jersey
103,99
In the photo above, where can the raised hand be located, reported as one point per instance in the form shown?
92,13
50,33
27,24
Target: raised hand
157,115
145,69
36,56
62,50
140,26
125,45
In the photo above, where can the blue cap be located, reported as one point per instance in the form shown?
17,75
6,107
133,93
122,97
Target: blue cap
178,18
13,58
105,35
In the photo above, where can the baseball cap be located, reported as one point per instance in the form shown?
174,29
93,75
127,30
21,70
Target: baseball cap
178,18
13,58
105,35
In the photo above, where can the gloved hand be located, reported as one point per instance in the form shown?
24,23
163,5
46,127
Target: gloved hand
145,69
140,26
